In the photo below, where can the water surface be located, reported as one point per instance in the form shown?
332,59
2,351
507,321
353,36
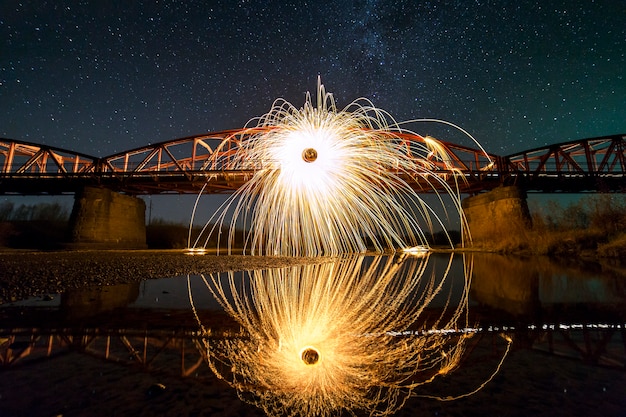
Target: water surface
139,350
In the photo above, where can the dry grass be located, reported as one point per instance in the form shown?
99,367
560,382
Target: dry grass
592,227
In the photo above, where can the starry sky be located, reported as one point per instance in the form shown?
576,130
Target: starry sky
101,77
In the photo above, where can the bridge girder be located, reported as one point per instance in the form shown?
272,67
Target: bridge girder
208,162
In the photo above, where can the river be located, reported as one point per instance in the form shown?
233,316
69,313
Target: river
465,334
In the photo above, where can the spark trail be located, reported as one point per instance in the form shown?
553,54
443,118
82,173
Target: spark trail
331,181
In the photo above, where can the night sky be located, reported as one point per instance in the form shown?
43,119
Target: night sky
102,77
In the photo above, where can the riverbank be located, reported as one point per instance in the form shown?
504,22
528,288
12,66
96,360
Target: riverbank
32,273
36,273
570,246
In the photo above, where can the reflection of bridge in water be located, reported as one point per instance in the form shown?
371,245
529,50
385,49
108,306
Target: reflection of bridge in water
537,311
183,352
185,165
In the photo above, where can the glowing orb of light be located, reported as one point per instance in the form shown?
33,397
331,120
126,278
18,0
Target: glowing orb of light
329,181
309,160
309,155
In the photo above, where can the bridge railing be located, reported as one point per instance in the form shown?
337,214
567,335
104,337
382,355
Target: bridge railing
595,164
210,152
186,164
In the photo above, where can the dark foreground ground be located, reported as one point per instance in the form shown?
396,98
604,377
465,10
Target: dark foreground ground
28,273
530,383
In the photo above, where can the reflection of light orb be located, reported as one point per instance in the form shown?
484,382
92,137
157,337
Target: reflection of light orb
338,336
309,155
310,355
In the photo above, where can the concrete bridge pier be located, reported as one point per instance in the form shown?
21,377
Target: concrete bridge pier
104,219
497,217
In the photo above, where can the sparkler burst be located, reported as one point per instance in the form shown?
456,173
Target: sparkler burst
331,181
349,334
321,339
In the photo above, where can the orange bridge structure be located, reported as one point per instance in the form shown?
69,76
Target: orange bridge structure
211,163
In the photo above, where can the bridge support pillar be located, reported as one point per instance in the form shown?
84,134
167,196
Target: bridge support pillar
498,217
104,219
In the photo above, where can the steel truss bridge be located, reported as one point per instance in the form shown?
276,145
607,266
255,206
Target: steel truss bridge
186,165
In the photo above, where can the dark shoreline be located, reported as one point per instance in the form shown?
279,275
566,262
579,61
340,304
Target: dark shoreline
33,273
27,273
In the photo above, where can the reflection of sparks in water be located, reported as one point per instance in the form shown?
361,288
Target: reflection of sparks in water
332,182
319,339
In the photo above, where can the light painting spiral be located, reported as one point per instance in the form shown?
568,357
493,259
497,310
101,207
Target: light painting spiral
331,181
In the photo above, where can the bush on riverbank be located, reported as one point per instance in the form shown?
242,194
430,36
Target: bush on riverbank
36,226
591,227
615,248
161,234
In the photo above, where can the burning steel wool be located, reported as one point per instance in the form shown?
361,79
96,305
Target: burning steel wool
351,333
331,181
